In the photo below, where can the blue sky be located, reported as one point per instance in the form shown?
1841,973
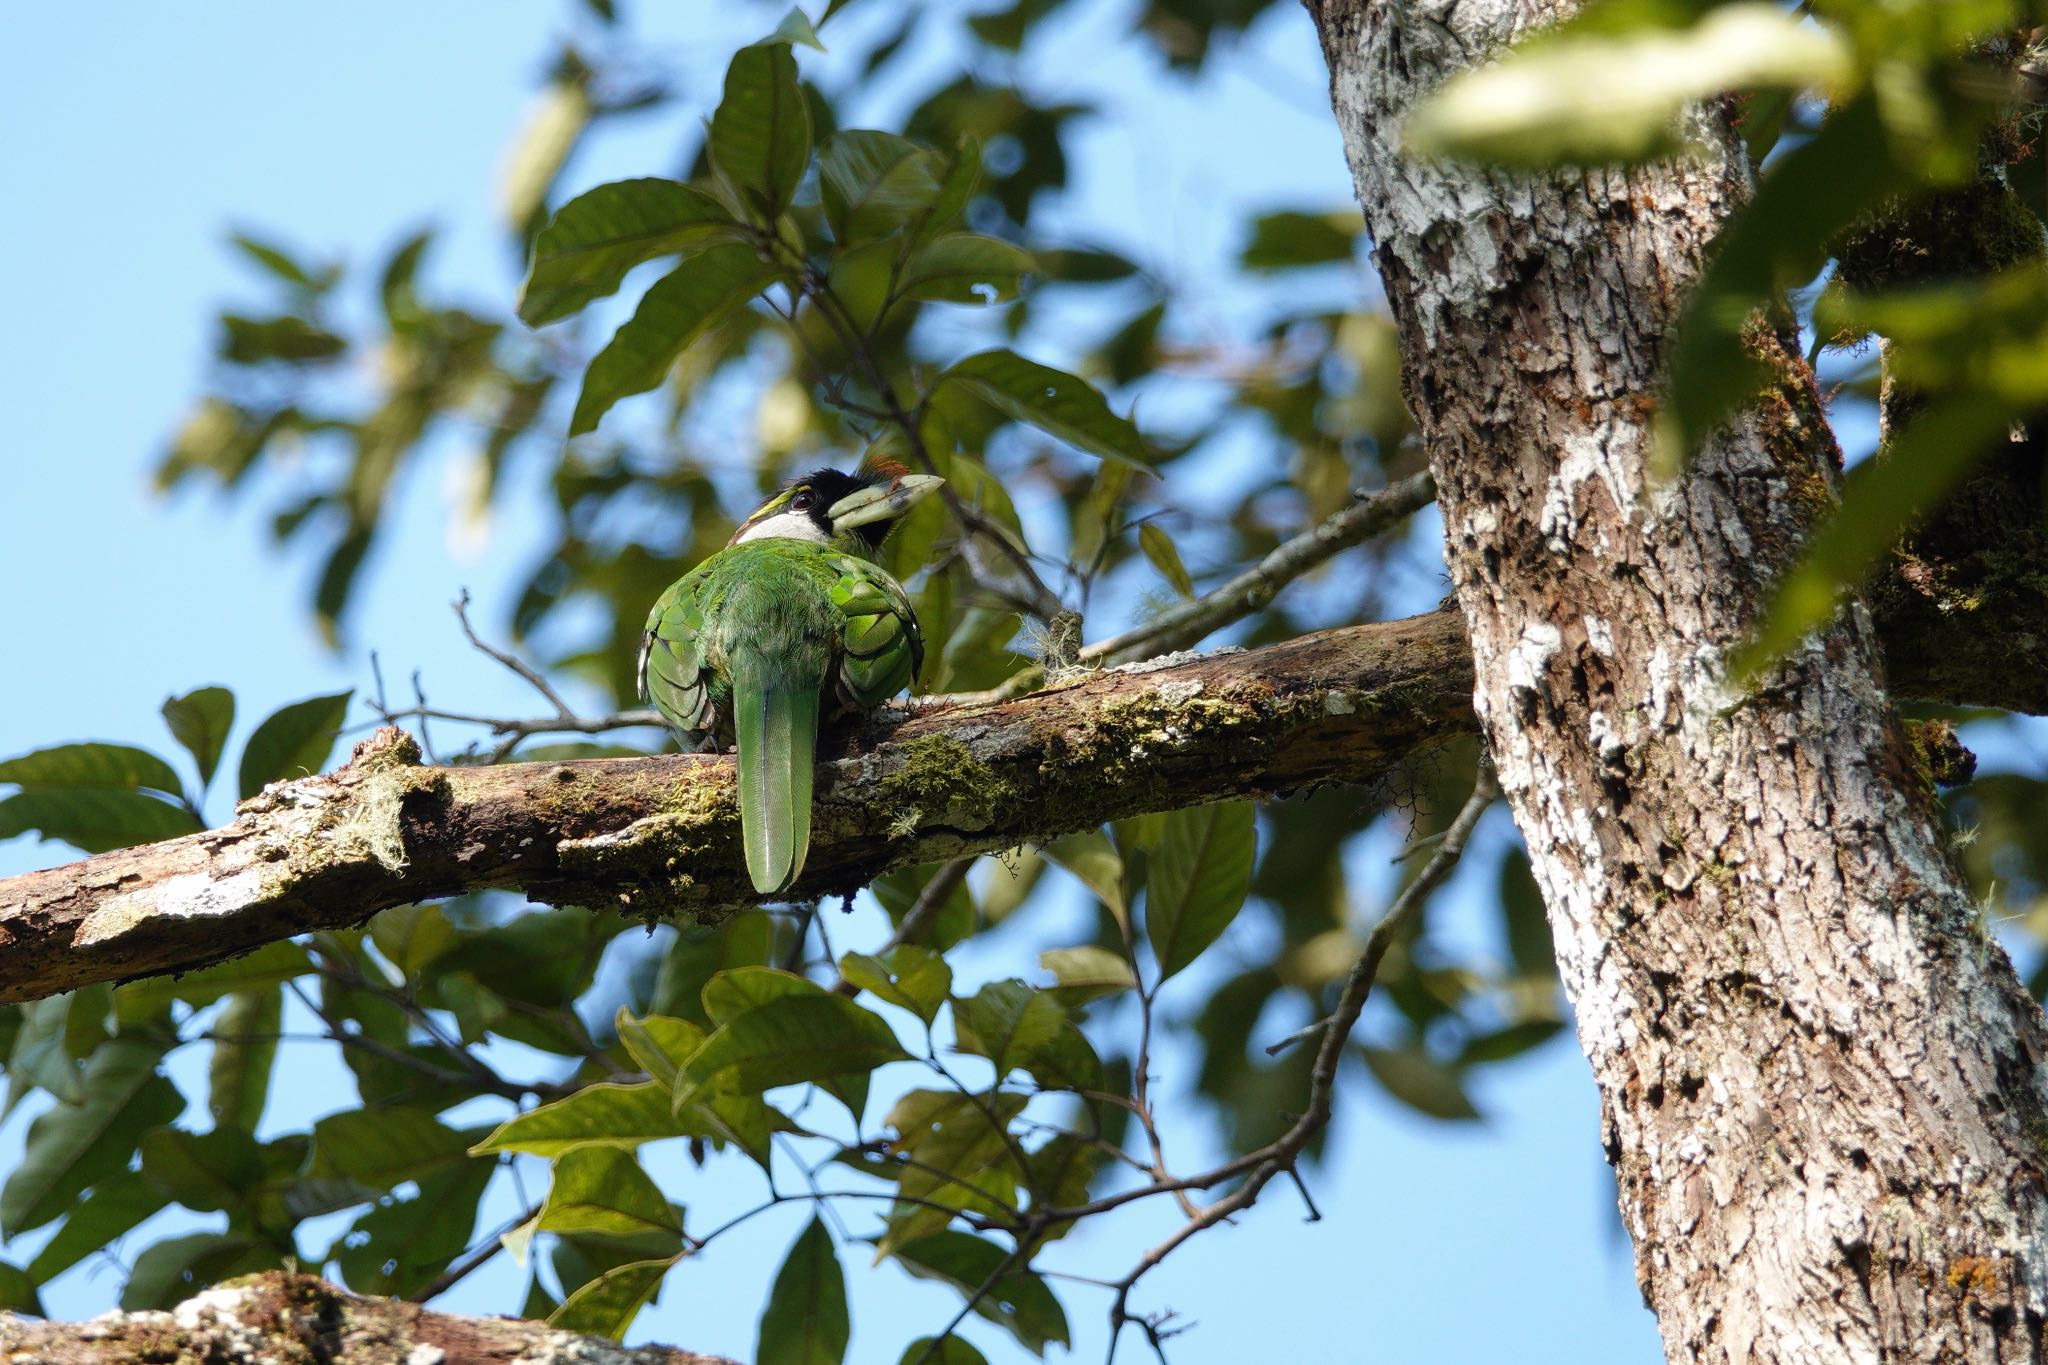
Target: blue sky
134,136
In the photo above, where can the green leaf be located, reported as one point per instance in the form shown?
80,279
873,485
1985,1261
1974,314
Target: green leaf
731,993
1289,239
401,1245
271,965
1512,1041
805,1322
595,239
598,1115
380,1148
965,267
1617,97
658,1042
178,1267
1019,1302
790,1041
95,820
39,1058
956,916
962,1158
874,183
603,1190
1090,856
95,1223
1198,880
607,1305
674,312
914,978
1088,972
293,740
206,1172
200,720
761,131
1017,1026
1057,403
71,1146
244,1052
1158,547
412,936
947,1350
1421,1082
91,767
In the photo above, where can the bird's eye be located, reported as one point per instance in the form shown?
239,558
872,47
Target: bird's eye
801,500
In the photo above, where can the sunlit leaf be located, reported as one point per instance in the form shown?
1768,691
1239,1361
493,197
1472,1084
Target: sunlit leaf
1091,857
1419,1081
587,248
1200,875
805,1322
603,1190
1285,240
1017,1026
761,131
93,819
1087,972
789,1041
1159,549
962,1157
380,1148
200,720
658,1042
607,1305
292,741
1057,403
964,267
676,310
917,979
91,767
598,1115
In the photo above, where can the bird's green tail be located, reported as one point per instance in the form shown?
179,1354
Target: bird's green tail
777,729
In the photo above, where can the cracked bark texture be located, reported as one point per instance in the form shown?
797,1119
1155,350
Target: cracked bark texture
1821,1083
280,1319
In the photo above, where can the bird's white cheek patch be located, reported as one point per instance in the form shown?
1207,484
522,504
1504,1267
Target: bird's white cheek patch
785,526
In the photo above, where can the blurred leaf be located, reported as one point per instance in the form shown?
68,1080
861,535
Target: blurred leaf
1590,98
112,1207
412,936
1285,240
39,1058
18,1290
873,183
805,1322
1018,1301
607,1305
587,248
796,28
675,311
1088,972
603,1190
1526,926
271,965
380,1148
914,978
276,260
955,920
789,1041
178,1267
964,267
401,1245
1512,1041
206,1172
286,337
292,740
598,1115
1880,499
761,131
1055,402
1199,877
1159,549
244,1051
945,1351
1419,1081
1017,1026
1091,857
555,123
70,1147
200,720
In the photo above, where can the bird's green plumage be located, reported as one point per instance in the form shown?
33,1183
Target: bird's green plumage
753,646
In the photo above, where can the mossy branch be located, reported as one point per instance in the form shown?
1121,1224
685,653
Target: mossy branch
659,836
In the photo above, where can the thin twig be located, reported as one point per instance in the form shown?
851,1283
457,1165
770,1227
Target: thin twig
478,1255
935,894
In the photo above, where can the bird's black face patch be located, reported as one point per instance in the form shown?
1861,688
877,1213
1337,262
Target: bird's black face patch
814,494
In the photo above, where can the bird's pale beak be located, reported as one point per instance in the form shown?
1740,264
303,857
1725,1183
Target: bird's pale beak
882,501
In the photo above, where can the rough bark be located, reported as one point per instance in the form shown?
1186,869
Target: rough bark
1821,1083
280,1319
660,836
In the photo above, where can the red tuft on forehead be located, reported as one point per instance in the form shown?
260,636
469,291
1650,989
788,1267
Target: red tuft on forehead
884,468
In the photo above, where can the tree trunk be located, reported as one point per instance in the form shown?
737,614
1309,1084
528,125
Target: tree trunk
1820,1080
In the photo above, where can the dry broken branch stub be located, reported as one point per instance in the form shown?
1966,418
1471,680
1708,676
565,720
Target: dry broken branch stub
659,836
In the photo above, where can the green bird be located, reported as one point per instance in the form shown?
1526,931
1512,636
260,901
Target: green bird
791,618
